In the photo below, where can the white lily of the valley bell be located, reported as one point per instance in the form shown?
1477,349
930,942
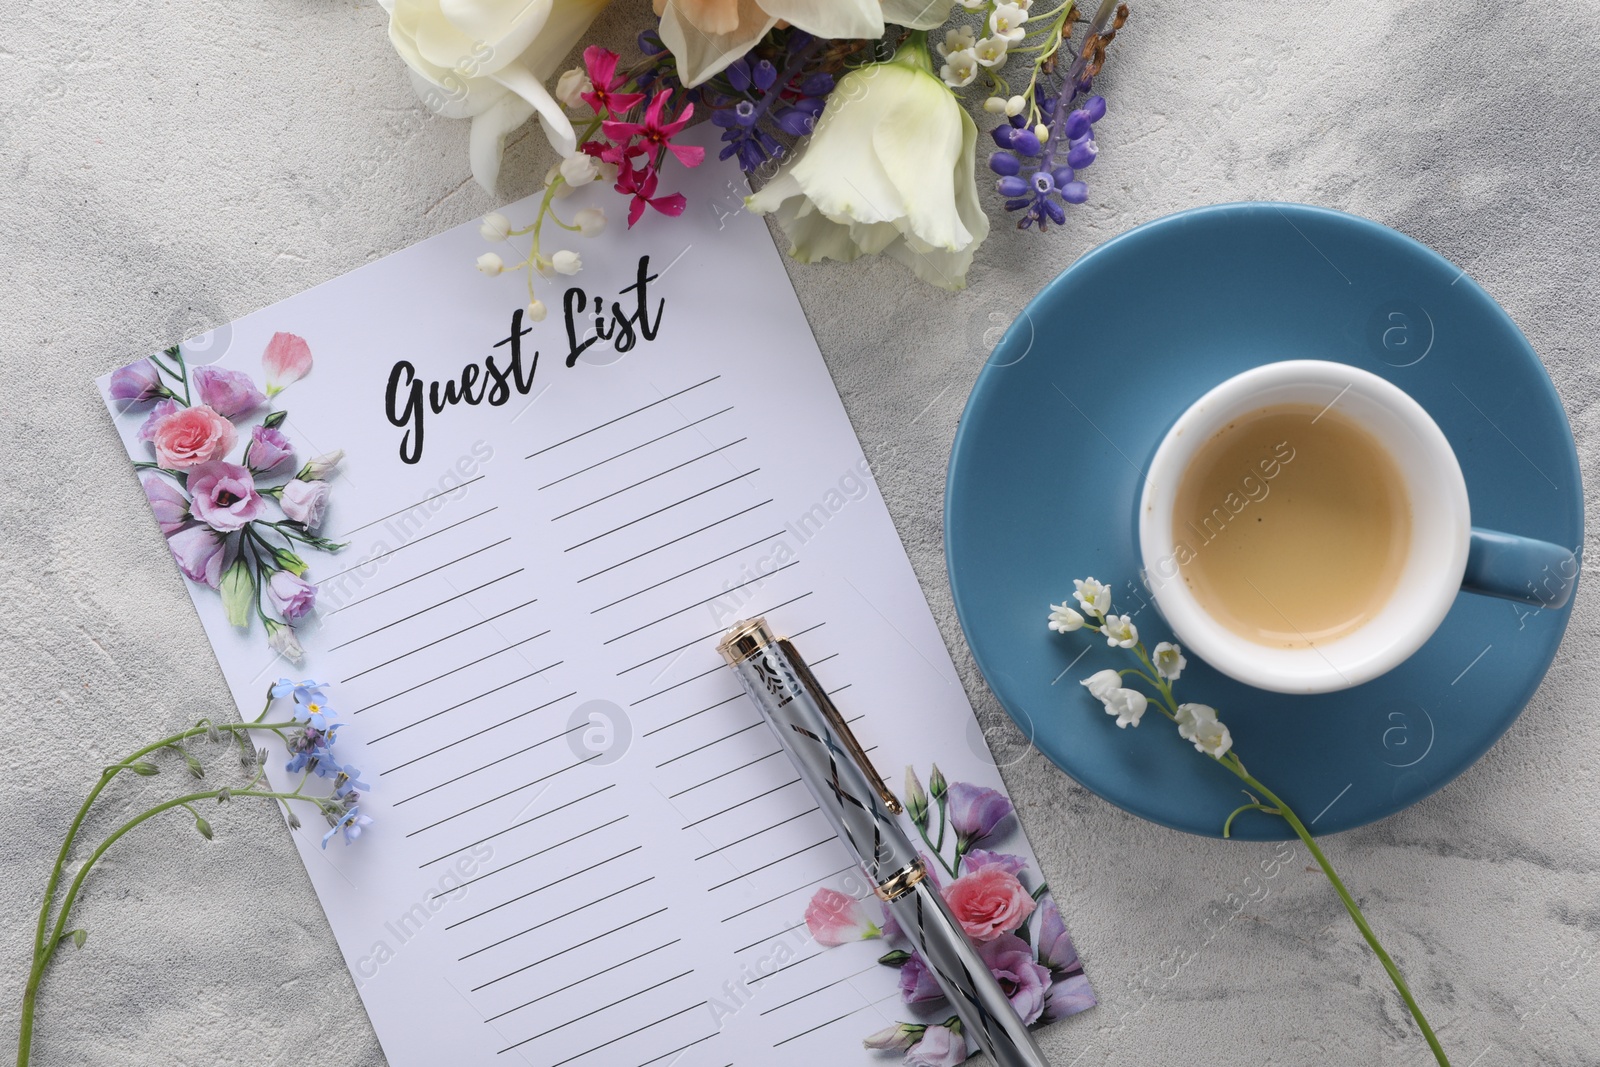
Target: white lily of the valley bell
888,169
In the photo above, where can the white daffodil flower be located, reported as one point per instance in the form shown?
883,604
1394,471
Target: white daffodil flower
1120,631
991,51
487,60
1092,596
1102,683
1009,21
1128,705
958,39
959,68
1198,723
1168,660
888,169
1063,620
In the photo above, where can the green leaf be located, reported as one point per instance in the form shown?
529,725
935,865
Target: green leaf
147,770
79,936
895,958
203,826
274,420
238,592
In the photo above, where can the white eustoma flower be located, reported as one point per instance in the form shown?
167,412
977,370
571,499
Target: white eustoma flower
495,227
1093,596
991,51
566,262
579,169
1102,683
1007,20
889,169
958,39
1168,660
959,68
487,60
1128,705
1063,620
1120,631
1198,723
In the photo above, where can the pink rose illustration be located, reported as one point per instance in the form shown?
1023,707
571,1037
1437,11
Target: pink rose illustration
225,496
170,506
230,393
938,1048
136,383
147,432
834,918
988,902
187,438
268,449
198,551
305,502
1024,981
291,596
286,360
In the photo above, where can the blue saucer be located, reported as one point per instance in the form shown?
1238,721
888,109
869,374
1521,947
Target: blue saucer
1047,467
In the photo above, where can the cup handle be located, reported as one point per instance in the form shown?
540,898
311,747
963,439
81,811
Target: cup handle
1520,568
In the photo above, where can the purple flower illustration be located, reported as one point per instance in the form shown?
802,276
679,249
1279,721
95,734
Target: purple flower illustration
917,985
199,553
305,502
1024,981
269,448
1055,946
1068,996
938,1048
978,859
171,507
147,432
136,383
225,496
291,596
229,393
975,811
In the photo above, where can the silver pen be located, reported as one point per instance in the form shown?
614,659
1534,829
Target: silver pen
863,812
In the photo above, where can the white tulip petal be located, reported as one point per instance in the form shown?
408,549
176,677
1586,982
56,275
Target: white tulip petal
917,14
830,18
701,55
487,142
925,125
557,127
563,30
499,30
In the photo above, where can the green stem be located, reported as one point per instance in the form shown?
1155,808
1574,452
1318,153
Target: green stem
923,830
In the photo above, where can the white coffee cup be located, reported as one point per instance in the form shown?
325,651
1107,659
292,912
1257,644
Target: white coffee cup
1434,564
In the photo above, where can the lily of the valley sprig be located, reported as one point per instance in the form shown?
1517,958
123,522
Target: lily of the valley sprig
329,788
1159,669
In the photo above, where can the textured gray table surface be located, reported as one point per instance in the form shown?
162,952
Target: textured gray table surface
168,167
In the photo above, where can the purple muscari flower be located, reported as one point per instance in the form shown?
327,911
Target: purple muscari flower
291,596
1039,179
171,507
650,42
765,102
917,984
975,811
136,383
163,408
229,393
199,552
269,447
1024,981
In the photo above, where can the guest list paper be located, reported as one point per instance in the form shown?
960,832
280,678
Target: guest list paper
586,848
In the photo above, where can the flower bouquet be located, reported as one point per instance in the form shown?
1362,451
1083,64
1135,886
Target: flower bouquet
860,132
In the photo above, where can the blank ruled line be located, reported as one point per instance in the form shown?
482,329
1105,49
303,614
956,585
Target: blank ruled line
430,607
742,803
691,570
486,729
619,418
693,714
758,833
449,672
597,1011
619,1037
431,496
658,511
713,633
547,885
780,933
533,855
708,744
680,1048
515,826
424,574
563,952
580,981
635,448
787,966
491,763
554,918
771,863
724,774
830,1022
714,596
780,896
507,793
675,540
408,544
663,692
653,477
820,988
469,700
446,637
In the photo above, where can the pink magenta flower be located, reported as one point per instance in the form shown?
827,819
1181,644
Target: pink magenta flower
198,551
305,502
286,360
642,185
290,596
192,436
225,496
229,393
655,135
988,902
601,64
171,507
938,1048
136,383
147,432
269,448
835,918
1024,981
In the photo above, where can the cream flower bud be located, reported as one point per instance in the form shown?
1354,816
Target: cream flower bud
995,105
579,169
1041,131
571,87
1016,105
566,262
495,227
563,189
491,264
536,310
591,221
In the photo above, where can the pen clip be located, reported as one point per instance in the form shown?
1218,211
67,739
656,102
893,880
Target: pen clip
831,713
